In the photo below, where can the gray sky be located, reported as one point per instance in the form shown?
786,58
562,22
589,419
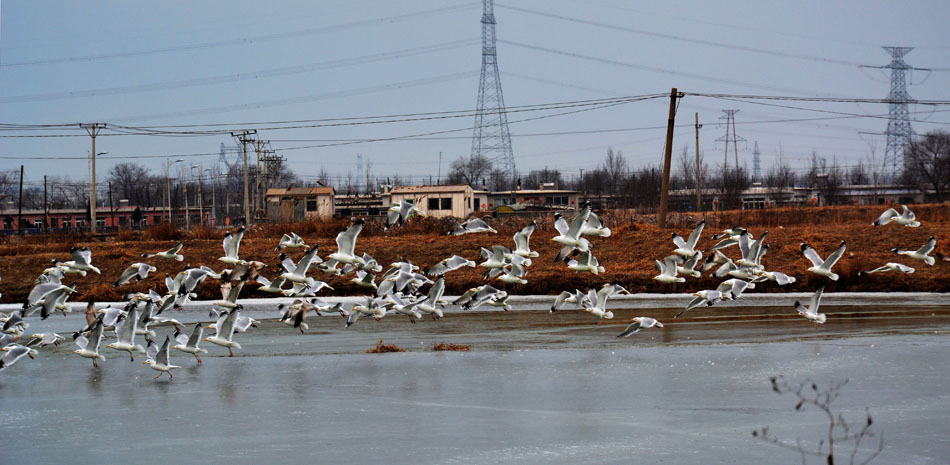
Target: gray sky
212,62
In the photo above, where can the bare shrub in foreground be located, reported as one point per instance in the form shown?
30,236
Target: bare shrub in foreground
840,432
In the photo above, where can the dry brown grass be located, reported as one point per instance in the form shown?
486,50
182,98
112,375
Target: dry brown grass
163,232
383,348
627,255
452,347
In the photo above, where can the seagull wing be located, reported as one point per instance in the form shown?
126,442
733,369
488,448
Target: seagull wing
744,245
126,275
632,328
304,262
226,243
678,240
559,300
39,292
163,353
694,236
815,300
578,224
834,257
82,342
811,255
904,268
346,240
886,217
236,242
151,352
928,247
560,224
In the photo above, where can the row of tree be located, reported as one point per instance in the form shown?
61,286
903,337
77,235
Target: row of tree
926,159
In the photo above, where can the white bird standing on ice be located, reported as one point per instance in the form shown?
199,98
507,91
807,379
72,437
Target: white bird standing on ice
811,313
906,217
638,323
823,267
922,254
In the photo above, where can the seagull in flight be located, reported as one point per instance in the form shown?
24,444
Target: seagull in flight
905,218
823,267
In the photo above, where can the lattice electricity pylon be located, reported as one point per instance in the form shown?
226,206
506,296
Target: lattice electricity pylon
756,163
491,138
898,131
730,117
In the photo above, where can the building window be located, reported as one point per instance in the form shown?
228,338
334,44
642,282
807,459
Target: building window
433,204
311,204
156,219
37,223
447,203
122,220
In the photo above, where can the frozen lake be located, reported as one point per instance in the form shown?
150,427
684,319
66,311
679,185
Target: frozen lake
536,388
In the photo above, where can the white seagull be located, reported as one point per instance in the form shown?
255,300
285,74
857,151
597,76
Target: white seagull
232,245
823,267
638,323
346,243
292,241
811,313
136,269
158,359
14,352
171,254
891,266
522,239
569,236
449,264
567,297
906,217
89,347
81,261
224,331
687,248
189,345
125,332
400,212
667,271
922,254
472,225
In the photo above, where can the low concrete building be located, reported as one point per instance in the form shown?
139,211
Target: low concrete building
437,201
533,199
299,203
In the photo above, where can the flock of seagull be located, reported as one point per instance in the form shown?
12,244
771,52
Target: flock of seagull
398,291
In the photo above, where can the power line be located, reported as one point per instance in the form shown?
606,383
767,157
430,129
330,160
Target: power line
238,41
684,39
236,77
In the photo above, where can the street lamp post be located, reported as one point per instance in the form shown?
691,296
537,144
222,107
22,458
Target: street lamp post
168,185
214,215
200,201
92,191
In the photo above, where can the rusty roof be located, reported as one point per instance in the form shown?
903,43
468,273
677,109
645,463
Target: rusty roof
299,191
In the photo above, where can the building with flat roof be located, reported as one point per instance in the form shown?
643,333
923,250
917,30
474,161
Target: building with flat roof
437,201
299,203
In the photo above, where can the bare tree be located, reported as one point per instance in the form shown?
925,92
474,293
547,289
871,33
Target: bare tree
779,181
734,183
840,431
858,175
615,169
469,170
927,163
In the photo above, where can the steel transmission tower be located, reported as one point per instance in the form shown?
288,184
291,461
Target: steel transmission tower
730,117
491,138
756,163
898,131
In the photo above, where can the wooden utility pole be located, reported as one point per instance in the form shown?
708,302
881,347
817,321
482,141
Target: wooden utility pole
243,137
45,206
667,156
19,216
93,130
699,169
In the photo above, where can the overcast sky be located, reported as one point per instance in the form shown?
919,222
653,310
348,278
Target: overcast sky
211,62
